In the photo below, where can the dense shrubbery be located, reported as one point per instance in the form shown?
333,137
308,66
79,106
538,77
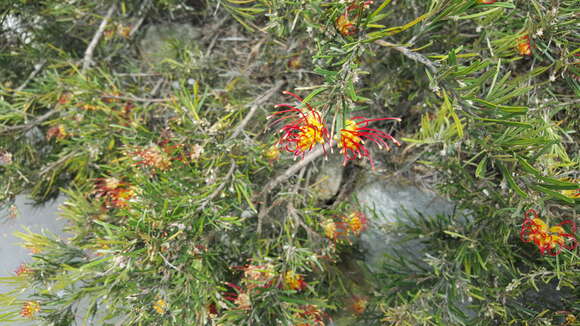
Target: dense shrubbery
157,120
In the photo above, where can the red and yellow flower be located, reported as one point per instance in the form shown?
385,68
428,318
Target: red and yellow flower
357,222
160,306
351,138
153,156
22,270
30,309
258,276
116,193
487,2
524,46
358,305
305,130
294,281
312,315
344,24
549,240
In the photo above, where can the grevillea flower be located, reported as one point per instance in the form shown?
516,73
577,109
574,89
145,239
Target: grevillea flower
30,309
357,222
305,129
58,132
243,301
344,24
272,153
487,2
524,46
294,281
5,157
258,276
351,138
312,314
549,240
22,270
116,193
358,305
152,156
160,306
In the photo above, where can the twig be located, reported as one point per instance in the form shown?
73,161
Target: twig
57,163
169,264
254,107
143,9
36,70
410,54
88,58
219,188
30,125
138,99
295,168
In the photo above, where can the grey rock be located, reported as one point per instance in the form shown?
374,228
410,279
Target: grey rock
388,202
329,179
36,219
159,40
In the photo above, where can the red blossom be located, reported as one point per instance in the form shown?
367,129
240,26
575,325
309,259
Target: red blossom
549,240
352,136
524,46
305,129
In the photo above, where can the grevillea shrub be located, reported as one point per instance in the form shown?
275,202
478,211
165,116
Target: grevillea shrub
188,137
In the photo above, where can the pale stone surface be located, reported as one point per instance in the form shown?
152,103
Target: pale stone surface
329,179
159,40
39,219
387,202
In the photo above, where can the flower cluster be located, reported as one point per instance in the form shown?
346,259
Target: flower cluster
30,309
57,132
312,314
307,128
160,306
549,240
294,281
358,304
22,270
346,22
524,46
354,223
116,193
5,157
152,156
258,276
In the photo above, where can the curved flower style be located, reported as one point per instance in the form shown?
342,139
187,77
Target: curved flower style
351,141
549,240
304,131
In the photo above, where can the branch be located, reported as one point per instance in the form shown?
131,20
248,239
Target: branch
254,107
410,54
295,168
139,99
30,125
219,188
88,58
37,68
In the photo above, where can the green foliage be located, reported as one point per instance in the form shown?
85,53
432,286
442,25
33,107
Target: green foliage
180,213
